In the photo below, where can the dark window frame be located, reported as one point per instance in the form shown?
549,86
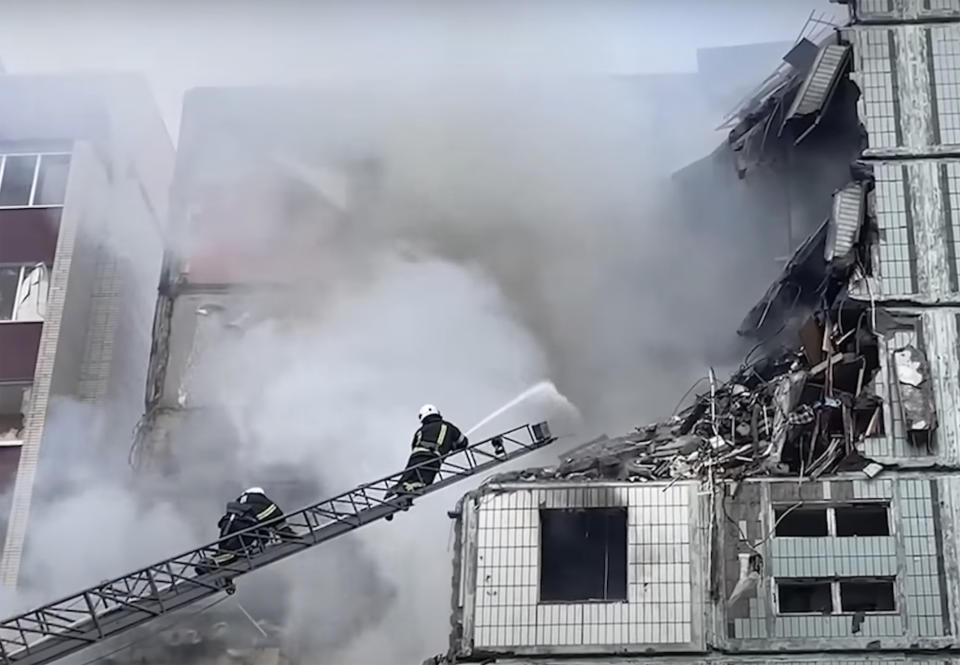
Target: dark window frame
783,516
836,594
870,581
555,526
801,583
830,509
867,506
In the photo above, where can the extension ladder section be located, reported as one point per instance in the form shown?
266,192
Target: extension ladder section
73,623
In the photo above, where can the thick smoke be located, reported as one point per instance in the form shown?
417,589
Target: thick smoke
518,232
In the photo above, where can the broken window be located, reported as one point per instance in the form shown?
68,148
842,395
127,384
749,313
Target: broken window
857,519
23,292
583,555
912,385
864,519
868,595
800,597
801,522
854,595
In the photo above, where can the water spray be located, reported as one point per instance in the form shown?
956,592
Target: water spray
546,388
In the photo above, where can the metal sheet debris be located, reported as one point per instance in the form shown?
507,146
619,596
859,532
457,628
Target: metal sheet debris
916,397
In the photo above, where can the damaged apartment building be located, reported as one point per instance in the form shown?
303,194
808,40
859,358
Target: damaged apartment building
255,209
85,164
806,508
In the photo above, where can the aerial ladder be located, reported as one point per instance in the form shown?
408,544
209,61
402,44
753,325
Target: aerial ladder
103,611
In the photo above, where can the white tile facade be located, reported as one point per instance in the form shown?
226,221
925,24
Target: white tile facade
663,607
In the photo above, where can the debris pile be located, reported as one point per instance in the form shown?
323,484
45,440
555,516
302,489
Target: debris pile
804,407
779,416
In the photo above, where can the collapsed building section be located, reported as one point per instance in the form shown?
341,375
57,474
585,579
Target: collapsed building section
806,505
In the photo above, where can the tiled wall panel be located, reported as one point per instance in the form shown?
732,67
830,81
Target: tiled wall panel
913,554
663,608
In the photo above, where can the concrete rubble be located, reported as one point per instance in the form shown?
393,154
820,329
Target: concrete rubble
806,403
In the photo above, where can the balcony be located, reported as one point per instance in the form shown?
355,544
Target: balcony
19,344
32,189
28,235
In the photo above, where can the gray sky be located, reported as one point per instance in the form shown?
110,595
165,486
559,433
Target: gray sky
180,44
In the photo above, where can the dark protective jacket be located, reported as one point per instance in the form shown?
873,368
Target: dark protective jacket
439,436
238,517
248,511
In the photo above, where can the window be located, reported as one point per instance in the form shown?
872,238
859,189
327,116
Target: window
9,464
837,596
801,522
51,180
867,596
33,180
14,402
798,597
17,182
23,292
843,521
866,519
583,555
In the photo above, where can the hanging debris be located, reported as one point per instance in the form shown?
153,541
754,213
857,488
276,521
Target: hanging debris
806,404
916,396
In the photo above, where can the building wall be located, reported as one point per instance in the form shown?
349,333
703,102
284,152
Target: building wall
665,574
910,106
905,62
96,336
682,599
915,553
78,189
127,255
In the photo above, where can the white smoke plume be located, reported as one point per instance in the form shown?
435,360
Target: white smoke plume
524,231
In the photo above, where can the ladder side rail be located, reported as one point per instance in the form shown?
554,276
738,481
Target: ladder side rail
171,584
193,557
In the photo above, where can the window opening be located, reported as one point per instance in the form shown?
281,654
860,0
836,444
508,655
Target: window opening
9,283
51,180
864,519
801,522
867,596
9,463
583,555
33,180
796,597
13,404
17,182
23,292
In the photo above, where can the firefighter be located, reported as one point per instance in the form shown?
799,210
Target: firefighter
265,510
435,438
251,508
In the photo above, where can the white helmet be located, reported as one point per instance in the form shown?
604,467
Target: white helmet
254,490
428,410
